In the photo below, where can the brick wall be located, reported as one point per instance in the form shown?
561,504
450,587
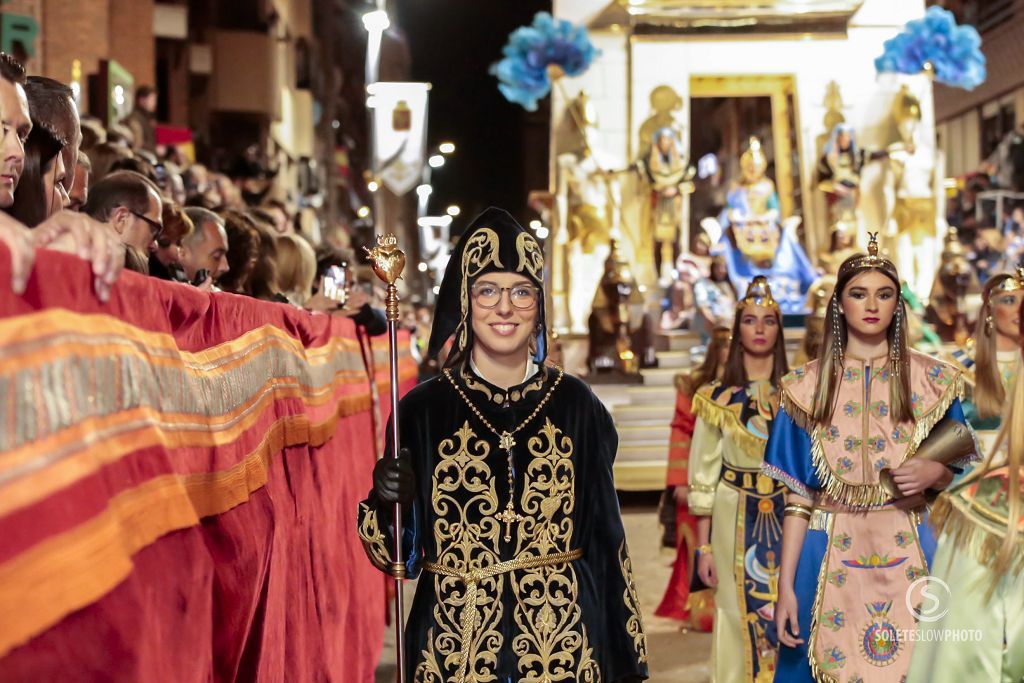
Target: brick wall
91,30
1004,54
131,38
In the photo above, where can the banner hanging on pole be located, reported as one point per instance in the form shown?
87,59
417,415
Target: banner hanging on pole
400,118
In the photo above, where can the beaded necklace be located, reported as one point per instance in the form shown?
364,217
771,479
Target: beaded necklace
506,442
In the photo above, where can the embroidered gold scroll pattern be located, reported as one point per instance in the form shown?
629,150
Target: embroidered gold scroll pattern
481,250
373,538
635,623
467,536
552,645
530,256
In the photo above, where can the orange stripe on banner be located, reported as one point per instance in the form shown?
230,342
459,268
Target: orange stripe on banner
73,569
78,452
79,349
29,330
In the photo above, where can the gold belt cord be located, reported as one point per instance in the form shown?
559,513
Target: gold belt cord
470,615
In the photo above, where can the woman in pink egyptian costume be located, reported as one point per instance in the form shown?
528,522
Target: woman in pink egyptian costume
843,443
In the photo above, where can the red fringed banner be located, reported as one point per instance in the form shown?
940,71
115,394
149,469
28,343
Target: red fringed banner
179,477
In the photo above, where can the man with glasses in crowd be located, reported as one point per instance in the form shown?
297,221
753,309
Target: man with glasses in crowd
63,231
131,204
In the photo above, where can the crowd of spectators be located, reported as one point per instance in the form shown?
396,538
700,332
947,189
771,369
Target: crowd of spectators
113,196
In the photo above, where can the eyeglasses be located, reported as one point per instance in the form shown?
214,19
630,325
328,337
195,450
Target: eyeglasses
154,227
486,295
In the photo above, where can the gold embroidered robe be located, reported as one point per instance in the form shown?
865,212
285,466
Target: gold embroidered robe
573,621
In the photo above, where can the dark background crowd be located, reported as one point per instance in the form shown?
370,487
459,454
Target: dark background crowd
112,195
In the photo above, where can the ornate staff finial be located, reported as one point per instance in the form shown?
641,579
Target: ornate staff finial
388,262
387,259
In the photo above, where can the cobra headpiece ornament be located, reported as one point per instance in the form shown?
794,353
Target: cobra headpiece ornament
872,260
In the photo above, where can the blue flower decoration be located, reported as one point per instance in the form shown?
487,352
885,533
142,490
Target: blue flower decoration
523,73
953,51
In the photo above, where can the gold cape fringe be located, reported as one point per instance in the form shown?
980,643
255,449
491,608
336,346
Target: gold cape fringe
950,516
720,417
800,415
865,495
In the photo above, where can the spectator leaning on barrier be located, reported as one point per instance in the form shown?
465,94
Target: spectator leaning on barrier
38,195
64,231
296,268
243,250
263,282
16,127
52,104
80,190
165,260
205,251
132,206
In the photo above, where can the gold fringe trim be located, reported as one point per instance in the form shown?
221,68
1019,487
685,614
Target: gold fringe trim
873,495
817,673
800,415
964,531
720,417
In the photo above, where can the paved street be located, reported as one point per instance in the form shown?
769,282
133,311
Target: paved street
675,657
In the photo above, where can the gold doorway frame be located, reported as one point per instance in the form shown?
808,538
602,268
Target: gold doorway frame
780,88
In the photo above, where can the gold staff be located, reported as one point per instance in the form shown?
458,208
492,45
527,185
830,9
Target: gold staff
388,261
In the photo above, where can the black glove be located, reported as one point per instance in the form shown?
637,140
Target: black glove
393,480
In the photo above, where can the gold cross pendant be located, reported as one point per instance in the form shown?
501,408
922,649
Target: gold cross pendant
506,442
508,517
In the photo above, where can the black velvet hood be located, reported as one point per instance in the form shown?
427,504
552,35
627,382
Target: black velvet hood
493,242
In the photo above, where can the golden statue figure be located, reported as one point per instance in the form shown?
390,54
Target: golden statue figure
913,192
619,328
670,177
586,199
954,282
752,208
664,171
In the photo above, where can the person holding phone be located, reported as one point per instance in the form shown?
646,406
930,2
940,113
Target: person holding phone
205,249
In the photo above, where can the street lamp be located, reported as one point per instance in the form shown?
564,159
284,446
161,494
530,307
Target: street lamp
436,161
446,148
453,210
376,21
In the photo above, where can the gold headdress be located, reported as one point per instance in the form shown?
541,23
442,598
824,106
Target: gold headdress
906,107
723,334
872,260
753,156
951,246
1013,283
584,111
759,293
